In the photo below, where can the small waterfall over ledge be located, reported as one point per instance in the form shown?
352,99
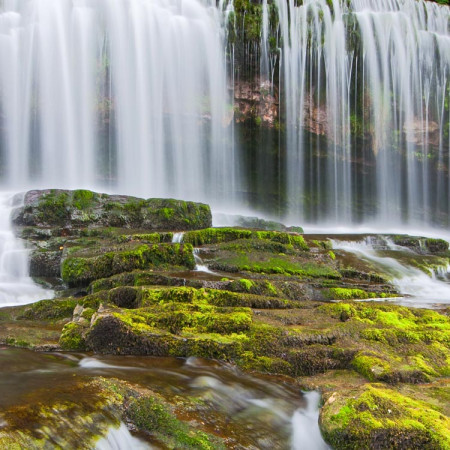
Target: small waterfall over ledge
16,287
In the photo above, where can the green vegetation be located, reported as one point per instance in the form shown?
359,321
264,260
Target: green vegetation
77,271
153,415
375,416
218,235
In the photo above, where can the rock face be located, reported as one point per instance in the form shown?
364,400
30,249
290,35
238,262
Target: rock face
82,208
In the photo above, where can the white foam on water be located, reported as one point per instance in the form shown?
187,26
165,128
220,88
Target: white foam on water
121,439
421,289
305,425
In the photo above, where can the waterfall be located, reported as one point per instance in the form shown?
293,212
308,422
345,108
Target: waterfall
16,287
136,96
126,95
373,78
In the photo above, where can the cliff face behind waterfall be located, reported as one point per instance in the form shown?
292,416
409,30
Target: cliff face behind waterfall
313,111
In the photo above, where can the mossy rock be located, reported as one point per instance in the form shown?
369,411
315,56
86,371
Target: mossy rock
49,309
72,337
218,235
375,416
77,413
81,208
72,415
79,271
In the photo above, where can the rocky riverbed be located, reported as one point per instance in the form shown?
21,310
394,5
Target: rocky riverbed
153,278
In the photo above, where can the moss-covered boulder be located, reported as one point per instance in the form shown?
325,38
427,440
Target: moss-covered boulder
83,208
375,416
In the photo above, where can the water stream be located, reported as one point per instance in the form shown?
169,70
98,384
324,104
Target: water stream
260,411
16,286
419,288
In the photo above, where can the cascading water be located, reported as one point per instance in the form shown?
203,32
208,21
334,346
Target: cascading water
373,78
126,95
421,290
133,96
16,287
120,439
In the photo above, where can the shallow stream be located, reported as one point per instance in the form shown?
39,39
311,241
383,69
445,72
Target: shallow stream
250,411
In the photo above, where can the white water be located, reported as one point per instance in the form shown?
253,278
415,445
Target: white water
381,67
132,96
305,425
124,95
420,289
16,287
177,238
121,439
199,265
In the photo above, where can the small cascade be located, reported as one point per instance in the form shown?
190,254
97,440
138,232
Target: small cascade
121,439
305,425
421,289
16,287
177,238
199,265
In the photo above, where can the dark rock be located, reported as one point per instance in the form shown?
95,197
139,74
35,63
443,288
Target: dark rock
45,264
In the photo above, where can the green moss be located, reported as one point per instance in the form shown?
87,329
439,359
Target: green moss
246,284
271,289
154,416
218,235
383,418
179,318
436,245
212,297
49,309
72,337
17,342
371,367
82,199
81,271
346,293
281,264
54,208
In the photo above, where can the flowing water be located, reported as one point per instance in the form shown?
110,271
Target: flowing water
121,439
16,286
263,412
129,95
420,289
380,69
136,96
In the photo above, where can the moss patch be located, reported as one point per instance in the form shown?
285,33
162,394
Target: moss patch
378,417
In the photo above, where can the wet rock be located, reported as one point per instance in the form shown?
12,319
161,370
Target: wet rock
82,208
